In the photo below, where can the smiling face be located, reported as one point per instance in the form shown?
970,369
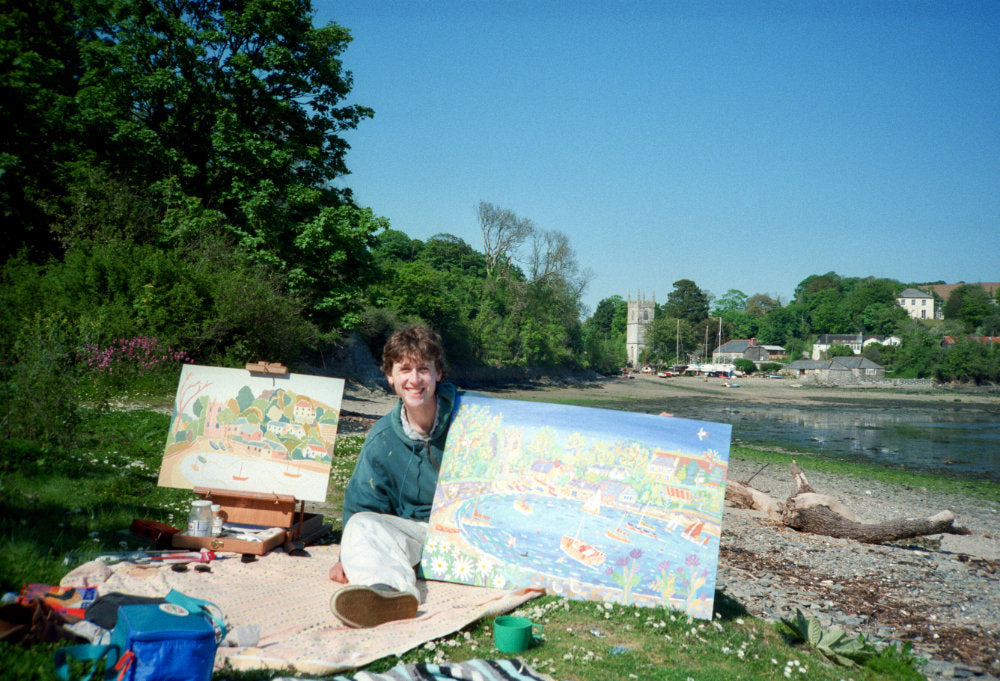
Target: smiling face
415,380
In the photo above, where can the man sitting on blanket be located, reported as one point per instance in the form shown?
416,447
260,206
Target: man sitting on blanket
388,499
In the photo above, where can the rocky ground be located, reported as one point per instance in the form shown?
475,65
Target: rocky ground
942,592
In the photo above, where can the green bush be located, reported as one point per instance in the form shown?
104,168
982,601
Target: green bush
39,401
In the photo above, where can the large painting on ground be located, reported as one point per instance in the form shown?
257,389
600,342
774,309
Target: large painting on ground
247,432
588,503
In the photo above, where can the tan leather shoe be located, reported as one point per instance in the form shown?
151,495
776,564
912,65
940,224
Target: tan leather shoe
369,606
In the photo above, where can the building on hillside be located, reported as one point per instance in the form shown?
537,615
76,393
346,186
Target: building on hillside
747,348
837,371
855,341
640,316
917,304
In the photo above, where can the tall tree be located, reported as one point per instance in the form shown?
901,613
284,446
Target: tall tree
686,301
503,234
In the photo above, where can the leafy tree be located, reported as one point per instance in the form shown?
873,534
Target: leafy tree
840,350
392,245
604,334
686,301
971,360
40,64
991,325
814,284
828,313
779,326
733,301
670,339
882,318
450,253
759,304
747,366
213,115
610,316
970,304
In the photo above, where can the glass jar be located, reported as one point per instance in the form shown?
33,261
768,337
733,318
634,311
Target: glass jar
219,518
200,519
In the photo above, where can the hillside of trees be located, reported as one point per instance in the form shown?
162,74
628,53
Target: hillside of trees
690,323
170,178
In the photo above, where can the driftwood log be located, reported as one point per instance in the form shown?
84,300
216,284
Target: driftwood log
808,511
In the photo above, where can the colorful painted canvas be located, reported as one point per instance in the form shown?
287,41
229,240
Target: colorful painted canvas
239,431
588,503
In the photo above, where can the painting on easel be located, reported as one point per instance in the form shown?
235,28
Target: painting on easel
245,432
588,503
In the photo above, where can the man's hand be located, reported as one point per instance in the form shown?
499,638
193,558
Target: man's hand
337,573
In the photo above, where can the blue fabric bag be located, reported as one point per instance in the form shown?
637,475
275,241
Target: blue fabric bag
153,642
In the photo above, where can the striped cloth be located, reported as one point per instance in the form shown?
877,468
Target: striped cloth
473,670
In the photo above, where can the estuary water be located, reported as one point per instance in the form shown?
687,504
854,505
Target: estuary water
960,440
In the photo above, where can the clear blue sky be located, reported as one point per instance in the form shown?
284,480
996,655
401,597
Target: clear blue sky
742,145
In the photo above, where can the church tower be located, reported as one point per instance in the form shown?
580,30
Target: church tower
640,316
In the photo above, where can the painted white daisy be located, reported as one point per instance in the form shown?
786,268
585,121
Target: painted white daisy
462,568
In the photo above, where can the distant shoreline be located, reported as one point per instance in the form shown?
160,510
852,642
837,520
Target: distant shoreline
750,389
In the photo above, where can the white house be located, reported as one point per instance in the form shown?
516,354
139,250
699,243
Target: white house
855,341
917,304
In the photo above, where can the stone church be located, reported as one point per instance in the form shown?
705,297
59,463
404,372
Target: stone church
640,316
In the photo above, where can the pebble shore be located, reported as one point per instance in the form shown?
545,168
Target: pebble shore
941,592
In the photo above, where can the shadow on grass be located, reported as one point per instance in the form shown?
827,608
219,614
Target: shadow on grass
728,608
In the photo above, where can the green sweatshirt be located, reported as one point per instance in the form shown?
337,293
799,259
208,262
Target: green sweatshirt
394,474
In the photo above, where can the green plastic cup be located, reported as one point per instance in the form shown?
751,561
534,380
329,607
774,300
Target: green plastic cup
513,634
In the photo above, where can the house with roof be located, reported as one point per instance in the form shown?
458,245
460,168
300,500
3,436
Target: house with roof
837,371
855,341
746,348
918,305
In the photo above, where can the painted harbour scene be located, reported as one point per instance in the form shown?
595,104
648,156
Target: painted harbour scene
236,431
588,503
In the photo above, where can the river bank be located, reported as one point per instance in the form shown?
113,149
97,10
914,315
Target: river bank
942,593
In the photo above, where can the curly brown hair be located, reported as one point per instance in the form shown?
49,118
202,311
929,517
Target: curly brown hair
417,341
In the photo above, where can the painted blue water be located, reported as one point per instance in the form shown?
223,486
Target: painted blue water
534,538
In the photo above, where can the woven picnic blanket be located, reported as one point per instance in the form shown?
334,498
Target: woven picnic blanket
288,597
473,670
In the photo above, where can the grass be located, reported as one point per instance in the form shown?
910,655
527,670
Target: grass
80,500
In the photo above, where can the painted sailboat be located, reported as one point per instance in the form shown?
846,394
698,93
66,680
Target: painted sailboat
641,526
241,475
522,506
297,473
580,551
617,533
476,518
693,533
593,504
